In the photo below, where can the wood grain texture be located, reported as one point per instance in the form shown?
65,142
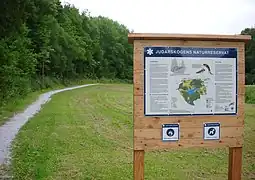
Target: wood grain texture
235,163
154,144
147,130
187,133
138,165
187,37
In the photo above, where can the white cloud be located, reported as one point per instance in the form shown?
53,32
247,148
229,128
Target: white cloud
176,16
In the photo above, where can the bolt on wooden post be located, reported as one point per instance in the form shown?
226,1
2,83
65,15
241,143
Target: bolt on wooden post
188,92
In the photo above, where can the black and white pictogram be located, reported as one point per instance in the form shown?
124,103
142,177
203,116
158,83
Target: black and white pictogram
211,131
170,132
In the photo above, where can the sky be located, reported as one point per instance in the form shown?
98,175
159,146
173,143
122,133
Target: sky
175,16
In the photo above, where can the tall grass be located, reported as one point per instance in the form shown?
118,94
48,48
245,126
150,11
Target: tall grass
250,94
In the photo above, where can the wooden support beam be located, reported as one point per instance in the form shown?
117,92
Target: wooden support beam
235,163
138,165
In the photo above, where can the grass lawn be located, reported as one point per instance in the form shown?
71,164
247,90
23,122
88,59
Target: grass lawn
16,105
87,134
19,104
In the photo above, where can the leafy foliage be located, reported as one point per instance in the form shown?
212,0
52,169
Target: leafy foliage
250,56
42,40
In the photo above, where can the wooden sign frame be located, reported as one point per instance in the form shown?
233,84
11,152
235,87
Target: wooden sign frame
148,129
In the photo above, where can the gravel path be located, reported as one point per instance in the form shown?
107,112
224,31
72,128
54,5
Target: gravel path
12,126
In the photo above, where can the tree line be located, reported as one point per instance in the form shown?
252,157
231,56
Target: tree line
249,56
43,41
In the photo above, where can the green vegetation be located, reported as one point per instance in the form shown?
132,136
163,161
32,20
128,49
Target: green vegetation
249,56
19,104
250,94
4,171
87,134
43,43
16,105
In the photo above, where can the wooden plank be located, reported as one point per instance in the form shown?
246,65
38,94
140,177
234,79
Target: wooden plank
241,83
235,163
139,77
191,37
154,144
138,82
185,123
135,78
138,165
191,122
187,133
138,57
241,65
185,43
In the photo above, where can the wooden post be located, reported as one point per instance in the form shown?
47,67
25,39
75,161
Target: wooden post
235,163
138,165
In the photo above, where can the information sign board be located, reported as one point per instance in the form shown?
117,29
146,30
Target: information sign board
190,81
188,92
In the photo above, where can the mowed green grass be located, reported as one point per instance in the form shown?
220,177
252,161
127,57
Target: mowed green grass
16,105
87,134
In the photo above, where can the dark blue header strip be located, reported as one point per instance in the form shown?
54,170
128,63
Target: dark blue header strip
190,52
211,124
170,125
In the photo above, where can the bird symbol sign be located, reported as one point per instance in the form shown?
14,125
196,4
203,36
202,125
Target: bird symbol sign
211,131
170,132
204,68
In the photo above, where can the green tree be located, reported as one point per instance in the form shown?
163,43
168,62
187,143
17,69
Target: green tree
250,56
43,41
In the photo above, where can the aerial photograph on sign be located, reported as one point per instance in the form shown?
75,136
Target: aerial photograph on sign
190,81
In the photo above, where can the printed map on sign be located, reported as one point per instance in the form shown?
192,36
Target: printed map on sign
192,89
190,81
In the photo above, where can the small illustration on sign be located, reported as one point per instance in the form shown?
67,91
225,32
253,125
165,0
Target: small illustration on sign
150,51
211,131
170,132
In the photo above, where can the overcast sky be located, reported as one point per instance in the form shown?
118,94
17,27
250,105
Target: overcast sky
175,16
